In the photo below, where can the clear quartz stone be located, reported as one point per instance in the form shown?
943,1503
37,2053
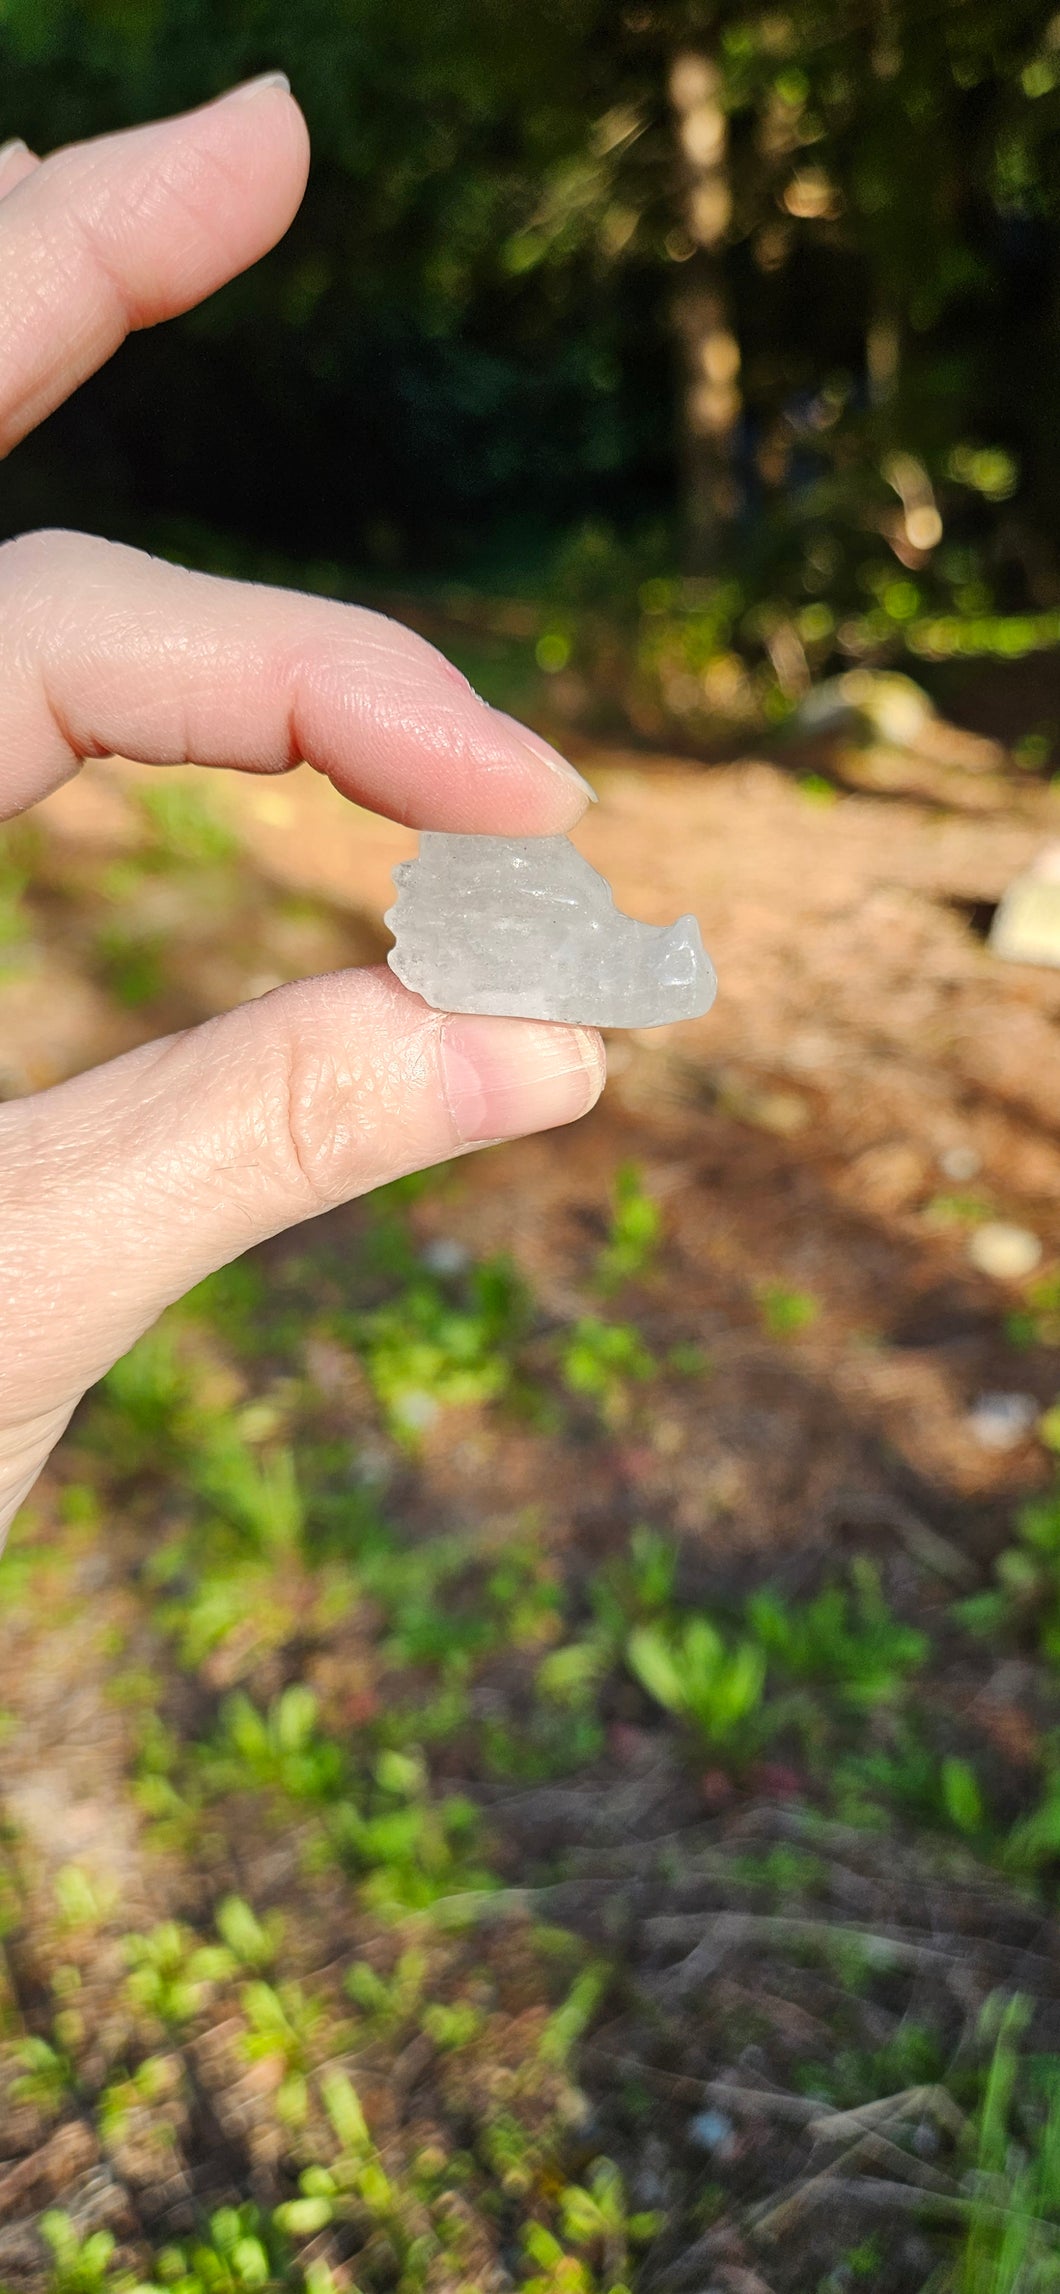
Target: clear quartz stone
525,927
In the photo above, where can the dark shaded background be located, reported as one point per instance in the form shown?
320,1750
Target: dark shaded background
474,339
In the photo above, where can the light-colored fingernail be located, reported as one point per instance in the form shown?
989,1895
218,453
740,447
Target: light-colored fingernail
14,148
547,755
506,1077
255,86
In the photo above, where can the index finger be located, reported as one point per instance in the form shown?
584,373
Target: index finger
102,649
108,236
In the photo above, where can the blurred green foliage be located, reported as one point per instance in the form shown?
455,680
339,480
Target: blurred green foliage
465,347
303,1664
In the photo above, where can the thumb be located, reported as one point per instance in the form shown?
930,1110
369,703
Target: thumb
123,1187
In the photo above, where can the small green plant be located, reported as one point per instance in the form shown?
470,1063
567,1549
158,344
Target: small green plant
283,2026
902,1769
153,2081
1037,1322
635,1588
253,1943
131,963
418,1593
238,1569
79,2265
571,1674
601,1360
817,789
23,1561
633,1233
596,2219
425,1353
164,1787
450,2025
282,1750
356,2181
207,1610
1026,1593
958,1210
785,1313
388,2004
145,1415
569,2022
172,1974
47,2077
846,1636
961,1796
238,2253
406,1850
14,919
692,1673
183,826
255,1493
553,2271
1034,1841
1012,2241
83,1901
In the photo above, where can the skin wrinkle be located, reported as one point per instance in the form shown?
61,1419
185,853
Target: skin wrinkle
22,1455
88,254
188,181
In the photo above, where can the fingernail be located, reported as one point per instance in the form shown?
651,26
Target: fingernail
14,147
506,1077
546,754
255,86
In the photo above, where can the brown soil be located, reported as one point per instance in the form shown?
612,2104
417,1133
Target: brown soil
870,1082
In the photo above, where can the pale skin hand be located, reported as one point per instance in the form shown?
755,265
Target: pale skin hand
121,1188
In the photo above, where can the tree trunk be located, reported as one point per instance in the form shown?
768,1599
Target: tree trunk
710,353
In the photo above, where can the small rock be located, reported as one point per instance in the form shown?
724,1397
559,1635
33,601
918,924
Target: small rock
960,1163
886,703
1002,1421
1003,1251
444,1255
1026,926
710,2130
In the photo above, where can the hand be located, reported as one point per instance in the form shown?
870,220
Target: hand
124,1186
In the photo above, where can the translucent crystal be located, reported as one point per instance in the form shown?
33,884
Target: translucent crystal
524,926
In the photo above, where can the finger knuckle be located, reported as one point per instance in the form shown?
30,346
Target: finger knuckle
305,1118
342,1088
